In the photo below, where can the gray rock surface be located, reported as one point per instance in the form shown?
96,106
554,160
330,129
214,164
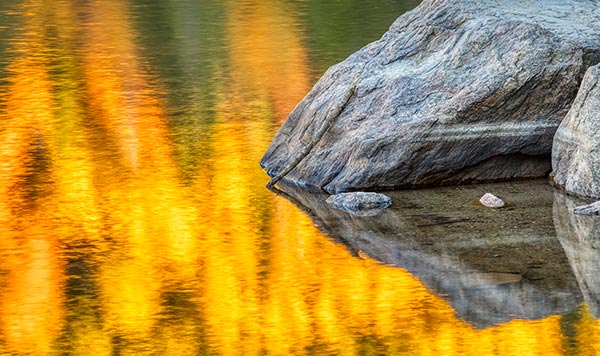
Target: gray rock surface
491,201
589,209
456,91
359,201
576,151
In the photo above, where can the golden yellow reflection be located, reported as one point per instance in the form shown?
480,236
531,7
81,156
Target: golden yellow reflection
105,249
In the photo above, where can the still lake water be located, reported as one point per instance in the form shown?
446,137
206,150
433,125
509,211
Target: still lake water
134,218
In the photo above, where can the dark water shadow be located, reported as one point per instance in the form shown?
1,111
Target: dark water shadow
491,265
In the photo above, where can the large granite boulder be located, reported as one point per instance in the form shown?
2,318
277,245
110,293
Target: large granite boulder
456,91
576,151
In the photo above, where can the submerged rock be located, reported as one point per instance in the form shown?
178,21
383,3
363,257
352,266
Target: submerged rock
359,201
576,151
456,91
589,209
491,201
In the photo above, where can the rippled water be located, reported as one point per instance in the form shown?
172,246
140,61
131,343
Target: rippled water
134,218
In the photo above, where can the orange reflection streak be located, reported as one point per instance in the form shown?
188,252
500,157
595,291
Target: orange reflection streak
31,306
147,207
232,298
31,313
258,32
232,261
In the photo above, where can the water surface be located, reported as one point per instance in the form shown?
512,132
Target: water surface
134,218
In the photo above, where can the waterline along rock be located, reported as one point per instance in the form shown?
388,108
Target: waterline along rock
576,151
456,91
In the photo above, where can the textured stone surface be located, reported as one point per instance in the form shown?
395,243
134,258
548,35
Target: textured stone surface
456,91
492,266
576,151
359,201
491,201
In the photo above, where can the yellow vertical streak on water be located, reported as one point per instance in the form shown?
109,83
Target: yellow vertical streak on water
31,313
232,304
127,108
28,104
587,340
31,305
74,199
289,283
73,202
152,217
232,256
520,337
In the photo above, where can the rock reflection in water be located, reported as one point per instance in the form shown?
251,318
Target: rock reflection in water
492,265
580,238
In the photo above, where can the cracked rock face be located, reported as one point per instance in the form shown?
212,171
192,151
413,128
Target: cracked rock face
456,91
576,151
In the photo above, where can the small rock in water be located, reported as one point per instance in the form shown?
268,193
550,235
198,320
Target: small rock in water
491,201
590,209
356,201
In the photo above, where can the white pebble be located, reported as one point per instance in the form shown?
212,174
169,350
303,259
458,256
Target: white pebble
491,201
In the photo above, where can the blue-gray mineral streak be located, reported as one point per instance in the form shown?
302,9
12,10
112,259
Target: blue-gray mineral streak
589,209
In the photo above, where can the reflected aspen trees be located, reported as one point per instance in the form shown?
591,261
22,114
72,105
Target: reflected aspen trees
106,248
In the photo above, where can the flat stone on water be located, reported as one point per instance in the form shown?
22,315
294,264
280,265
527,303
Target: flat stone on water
356,201
491,201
